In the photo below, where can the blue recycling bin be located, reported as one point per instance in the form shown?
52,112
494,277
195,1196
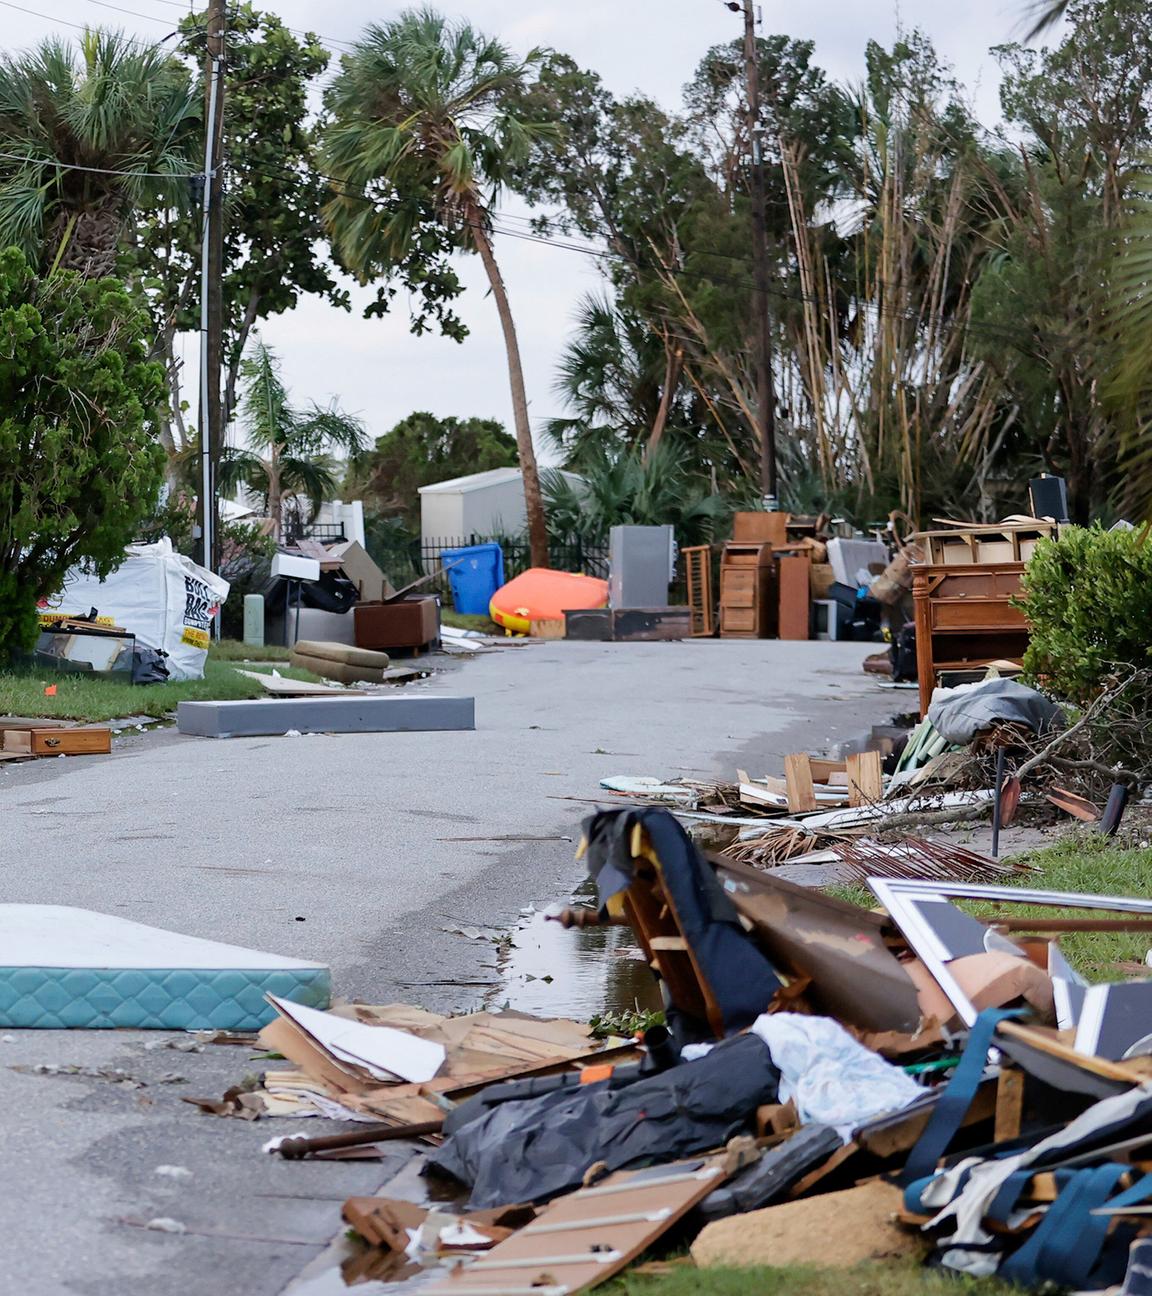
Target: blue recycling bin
475,573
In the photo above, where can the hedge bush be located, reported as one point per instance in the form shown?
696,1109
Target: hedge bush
1089,603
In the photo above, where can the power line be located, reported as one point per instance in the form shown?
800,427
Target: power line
64,22
72,166
999,330
296,31
132,13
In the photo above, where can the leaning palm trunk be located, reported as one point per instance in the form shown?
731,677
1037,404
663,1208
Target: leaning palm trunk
533,500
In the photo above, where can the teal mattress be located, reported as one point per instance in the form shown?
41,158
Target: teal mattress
66,968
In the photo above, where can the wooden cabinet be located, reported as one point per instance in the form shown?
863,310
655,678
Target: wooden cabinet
965,619
747,591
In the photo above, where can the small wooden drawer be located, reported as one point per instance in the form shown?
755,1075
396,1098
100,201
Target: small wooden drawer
58,742
741,619
976,614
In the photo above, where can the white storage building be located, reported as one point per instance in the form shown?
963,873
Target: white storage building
482,504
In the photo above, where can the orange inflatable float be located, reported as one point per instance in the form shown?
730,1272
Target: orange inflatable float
540,594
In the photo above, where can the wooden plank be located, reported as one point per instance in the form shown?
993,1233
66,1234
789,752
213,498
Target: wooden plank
587,1236
1009,1104
1047,1041
865,778
35,722
794,618
822,770
798,779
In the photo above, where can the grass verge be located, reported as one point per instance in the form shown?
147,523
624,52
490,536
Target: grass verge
465,621
96,700
880,1279
1081,861
229,650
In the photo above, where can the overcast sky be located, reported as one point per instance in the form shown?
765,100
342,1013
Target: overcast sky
375,367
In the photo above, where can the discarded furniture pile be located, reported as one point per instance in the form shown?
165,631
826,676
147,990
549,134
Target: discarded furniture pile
966,594
832,1084
337,595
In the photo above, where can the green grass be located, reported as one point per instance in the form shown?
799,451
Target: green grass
230,650
1081,861
466,621
98,700
879,1279
1086,862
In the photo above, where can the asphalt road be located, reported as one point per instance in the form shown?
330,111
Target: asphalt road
336,848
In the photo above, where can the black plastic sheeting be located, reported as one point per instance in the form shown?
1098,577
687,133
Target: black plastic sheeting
533,1150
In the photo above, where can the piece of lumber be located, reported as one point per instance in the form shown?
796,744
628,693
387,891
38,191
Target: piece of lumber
865,778
1047,1041
1009,1104
367,714
798,779
897,1134
823,769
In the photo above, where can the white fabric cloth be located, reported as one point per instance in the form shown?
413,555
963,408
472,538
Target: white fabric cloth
834,1079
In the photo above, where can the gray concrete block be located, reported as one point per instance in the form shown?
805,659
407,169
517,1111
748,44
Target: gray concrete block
250,719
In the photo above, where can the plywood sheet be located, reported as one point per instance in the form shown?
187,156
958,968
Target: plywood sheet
584,1238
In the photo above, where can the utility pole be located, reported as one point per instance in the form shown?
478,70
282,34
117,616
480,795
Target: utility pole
765,389
212,288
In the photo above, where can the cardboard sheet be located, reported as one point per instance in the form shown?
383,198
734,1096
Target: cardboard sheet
379,1051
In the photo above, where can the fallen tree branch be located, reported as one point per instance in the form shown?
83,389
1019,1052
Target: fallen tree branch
1101,703
956,814
1117,773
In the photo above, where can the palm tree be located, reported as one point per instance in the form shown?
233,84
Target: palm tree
636,485
288,451
1045,14
90,134
426,109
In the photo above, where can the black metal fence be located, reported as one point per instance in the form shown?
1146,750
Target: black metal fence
408,561
404,561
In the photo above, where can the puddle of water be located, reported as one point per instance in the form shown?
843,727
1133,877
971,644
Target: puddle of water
552,971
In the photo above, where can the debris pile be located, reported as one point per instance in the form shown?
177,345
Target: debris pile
832,1083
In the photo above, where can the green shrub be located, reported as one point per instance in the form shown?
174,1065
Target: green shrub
1089,603
80,466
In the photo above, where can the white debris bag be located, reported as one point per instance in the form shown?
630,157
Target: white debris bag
165,599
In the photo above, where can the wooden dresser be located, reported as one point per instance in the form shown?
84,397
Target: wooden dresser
965,619
747,590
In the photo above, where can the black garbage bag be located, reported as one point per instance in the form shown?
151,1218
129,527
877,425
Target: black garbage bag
533,1150
148,665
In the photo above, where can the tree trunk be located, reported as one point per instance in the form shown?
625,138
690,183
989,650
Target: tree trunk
275,494
533,500
674,363
240,342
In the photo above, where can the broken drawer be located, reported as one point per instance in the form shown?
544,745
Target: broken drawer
58,742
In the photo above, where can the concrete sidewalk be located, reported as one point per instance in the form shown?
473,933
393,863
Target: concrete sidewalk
334,848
